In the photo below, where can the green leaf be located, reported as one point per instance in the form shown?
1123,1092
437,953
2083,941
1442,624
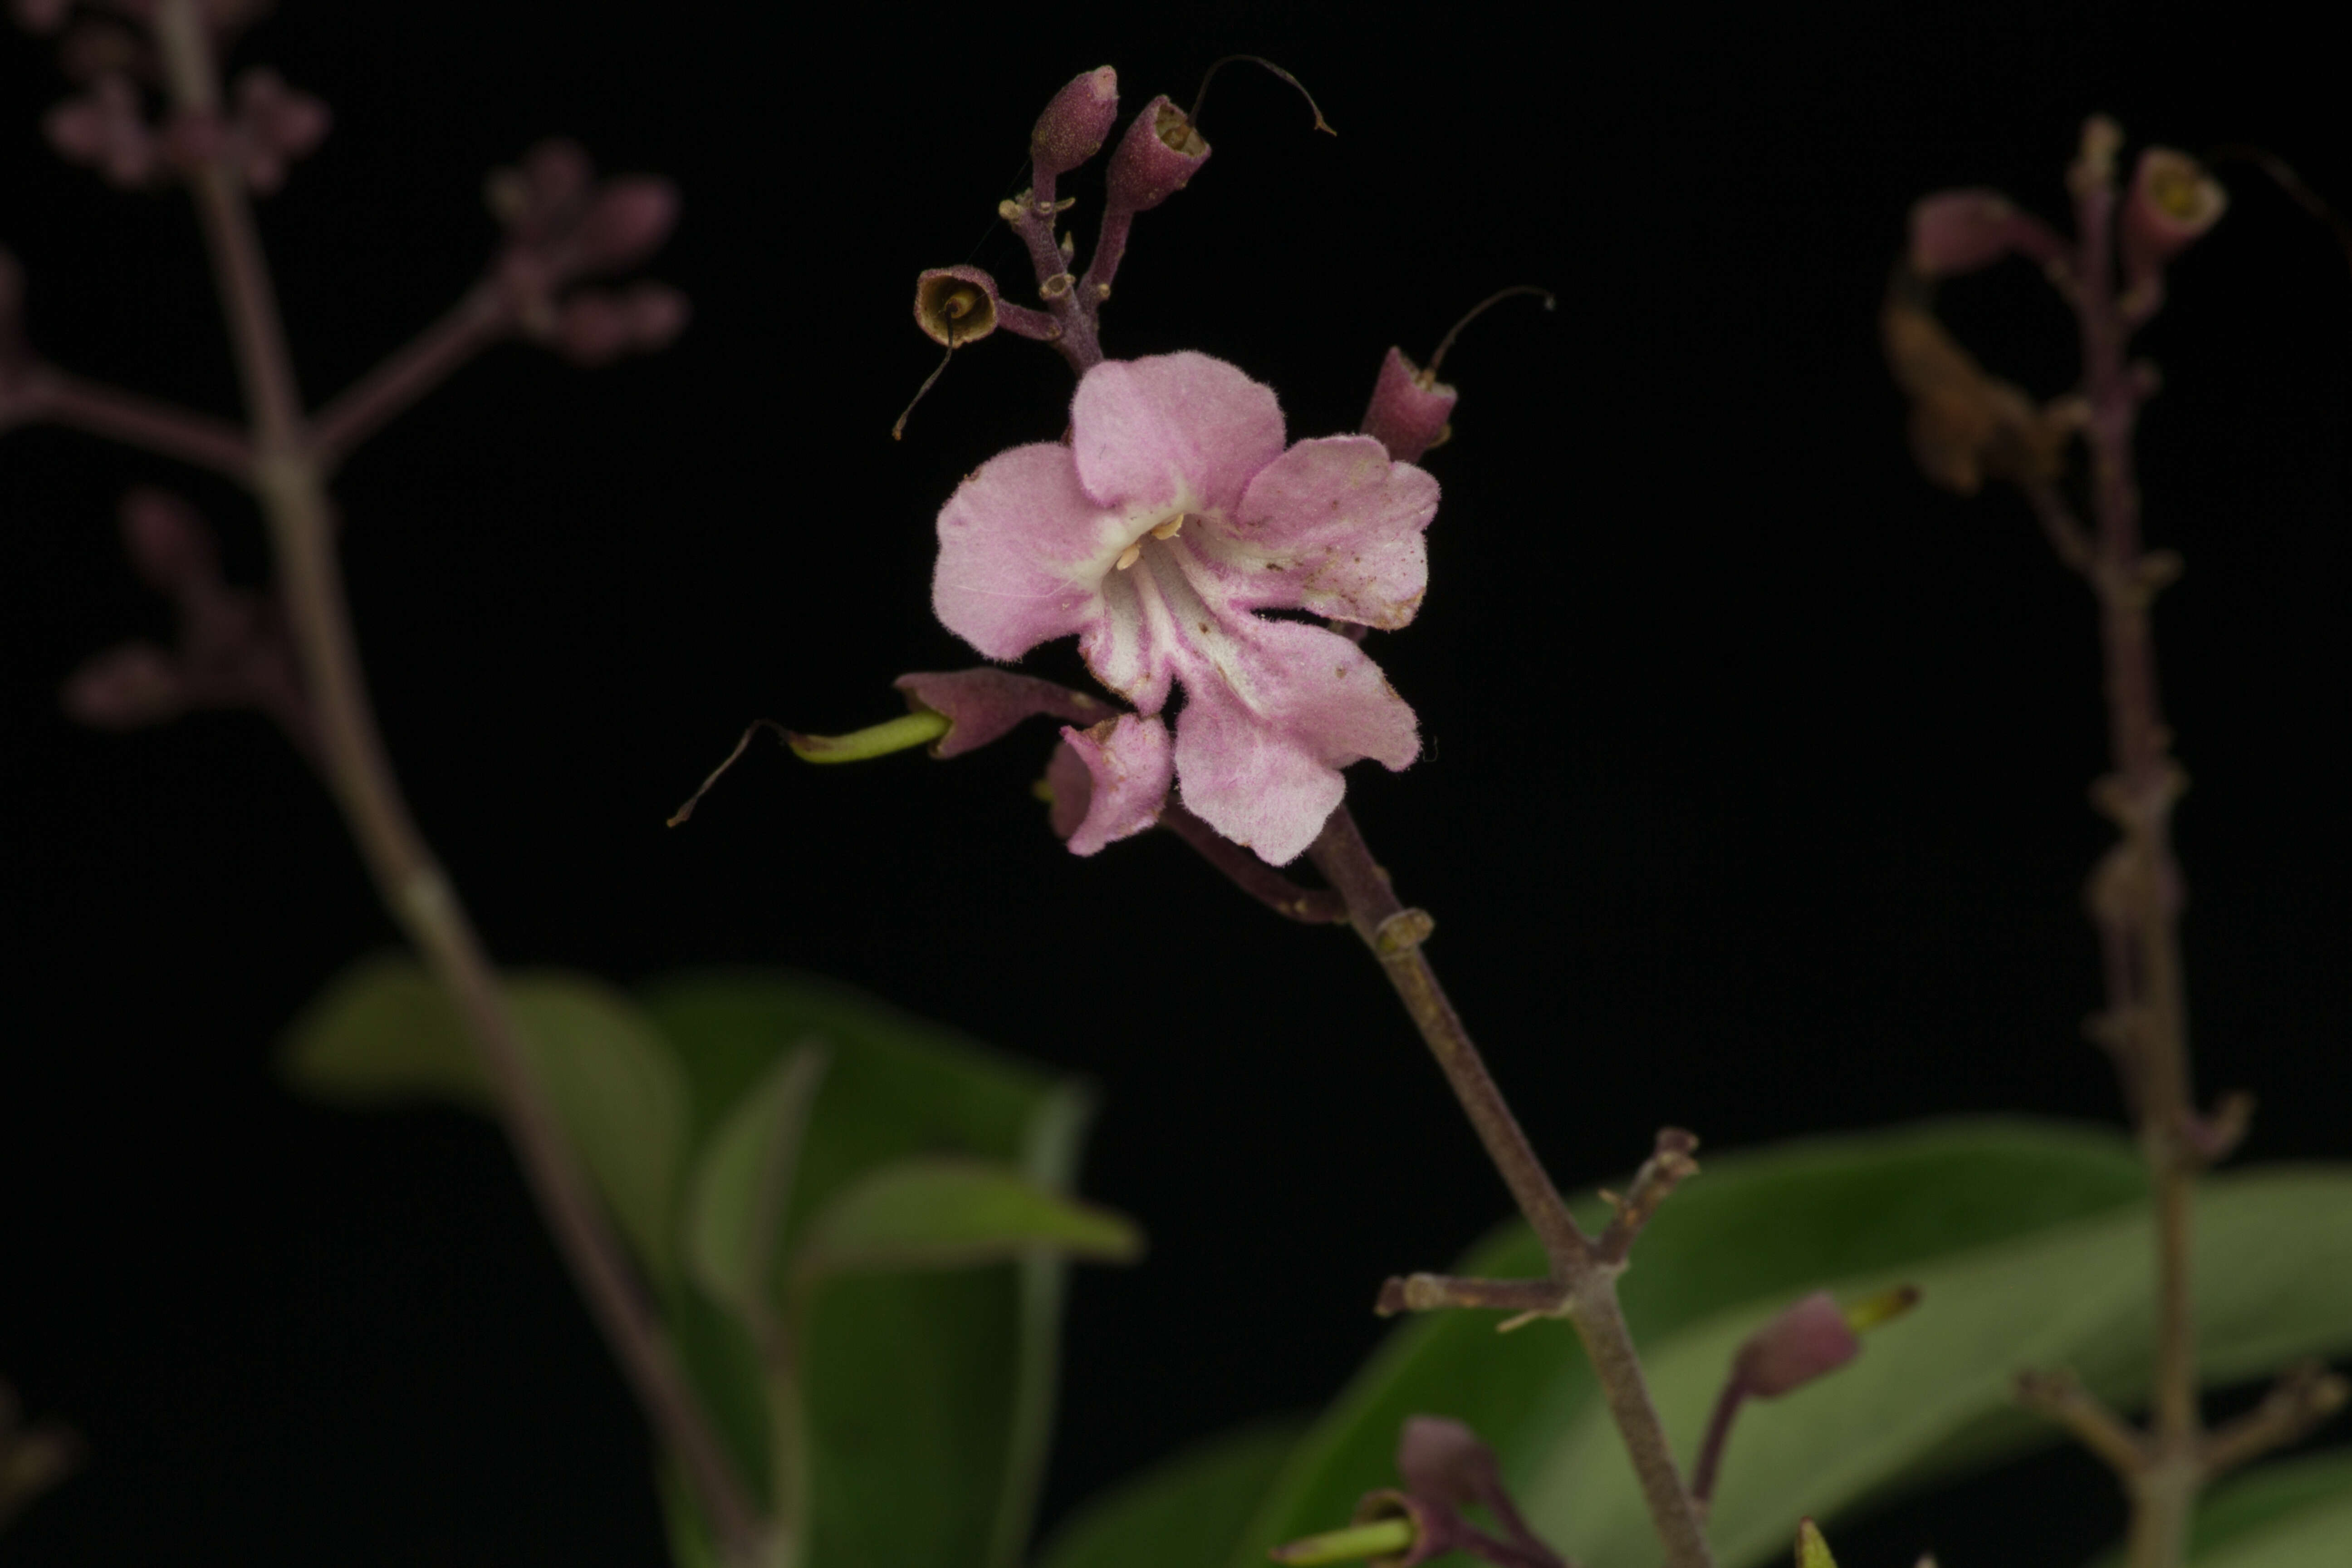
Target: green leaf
735,1200
2282,1506
2273,1273
384,1032
927,1395
943,1213
1758,1226
1183,1512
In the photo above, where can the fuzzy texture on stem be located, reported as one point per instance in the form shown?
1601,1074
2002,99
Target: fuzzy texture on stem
290,487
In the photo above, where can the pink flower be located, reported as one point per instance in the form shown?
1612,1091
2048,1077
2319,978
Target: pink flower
1173,516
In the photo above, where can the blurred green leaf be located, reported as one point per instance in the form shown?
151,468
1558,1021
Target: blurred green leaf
383,1032
1183,1512
735,1200
1757,1226
928,1395
946,1213
2273,1273
2285,1508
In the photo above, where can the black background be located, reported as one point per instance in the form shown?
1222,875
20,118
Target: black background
1753,794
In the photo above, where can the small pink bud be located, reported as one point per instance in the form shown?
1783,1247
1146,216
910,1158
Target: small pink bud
168,542
1154,159
2173,201
627,223
105,130
1408,412
955,305
591,327
42,15
1953,232
1808,1340
125,688
1075,123
657,314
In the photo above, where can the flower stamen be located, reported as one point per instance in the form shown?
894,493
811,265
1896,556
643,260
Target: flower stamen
1168,530
1130,555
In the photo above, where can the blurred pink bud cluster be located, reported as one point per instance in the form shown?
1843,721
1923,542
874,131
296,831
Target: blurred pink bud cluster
563,224
106,128
232,649
1446,1469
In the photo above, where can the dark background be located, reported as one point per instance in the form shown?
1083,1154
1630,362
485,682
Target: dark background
1753,794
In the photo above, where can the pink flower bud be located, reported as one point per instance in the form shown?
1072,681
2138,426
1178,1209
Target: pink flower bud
1953,232
125,688
2173,201
1075,123
955,305
1808,1340
168,542
1154,159
42,15
657,314
627,223
591,327
1407,413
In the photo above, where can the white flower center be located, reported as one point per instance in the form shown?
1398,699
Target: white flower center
1167,529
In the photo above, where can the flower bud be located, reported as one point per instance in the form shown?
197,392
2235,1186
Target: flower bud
168,544
1075,123
1812,1551
1954,232
955,305
125,688
627,223
1809,1340
2172,202
1408,412
1154,159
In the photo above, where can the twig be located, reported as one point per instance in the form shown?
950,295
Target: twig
1312,906
126,417
480,319
1583,1286
2301,1399
288,481
2147,994
2060,1398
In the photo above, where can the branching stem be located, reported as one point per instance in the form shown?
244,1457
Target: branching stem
1583,1283
288,478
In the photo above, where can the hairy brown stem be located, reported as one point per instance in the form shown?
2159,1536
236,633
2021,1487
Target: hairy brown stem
288,481
2147,1017
1583,1286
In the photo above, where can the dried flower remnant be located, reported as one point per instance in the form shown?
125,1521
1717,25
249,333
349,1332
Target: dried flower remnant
1175,515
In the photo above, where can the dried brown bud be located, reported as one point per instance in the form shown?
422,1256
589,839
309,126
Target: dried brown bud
1159,154
2173,201
955,305
1965,425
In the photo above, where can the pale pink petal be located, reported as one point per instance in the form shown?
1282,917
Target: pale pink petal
1170,433
1333,526
1131,645
1022,553
1129,767
1273,710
